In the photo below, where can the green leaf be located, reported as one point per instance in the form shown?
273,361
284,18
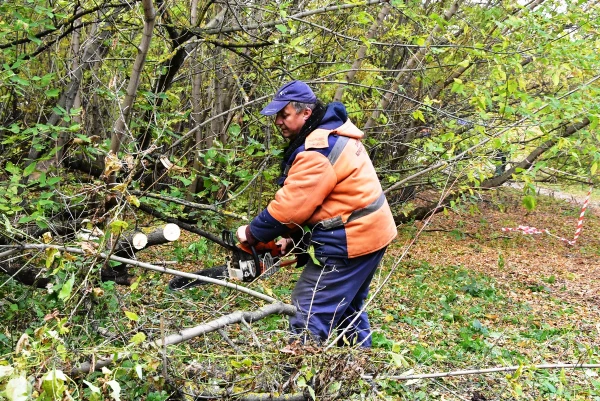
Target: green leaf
458,86
556,78
15,128
14,170
29,169
234,129
529,202
51,254
311,253
18,80
418,115
67,287
117,226
52,92
311,392
132,315
53,383
399,360
594,168
281,28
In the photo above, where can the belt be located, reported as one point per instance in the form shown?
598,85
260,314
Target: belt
337,221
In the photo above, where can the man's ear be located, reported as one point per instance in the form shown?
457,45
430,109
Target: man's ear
306,113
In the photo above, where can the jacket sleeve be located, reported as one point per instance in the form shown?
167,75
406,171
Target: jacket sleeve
310,180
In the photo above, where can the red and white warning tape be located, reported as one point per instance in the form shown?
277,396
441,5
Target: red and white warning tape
533,230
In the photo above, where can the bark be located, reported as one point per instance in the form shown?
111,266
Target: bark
197,114
173,65
64,136
121,124
246,28
190,205
186,226
94,51
362,51
126,247
533,156
72,21
488,370
26,275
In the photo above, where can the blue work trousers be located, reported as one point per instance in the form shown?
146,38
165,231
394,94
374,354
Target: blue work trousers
328,298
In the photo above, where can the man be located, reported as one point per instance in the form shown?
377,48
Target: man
328,185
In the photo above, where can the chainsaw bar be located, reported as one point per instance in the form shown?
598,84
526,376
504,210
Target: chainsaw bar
182,283
269,265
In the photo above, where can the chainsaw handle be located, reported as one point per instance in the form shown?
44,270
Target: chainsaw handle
262,247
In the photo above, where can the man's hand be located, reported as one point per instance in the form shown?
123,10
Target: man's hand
285,246
241,234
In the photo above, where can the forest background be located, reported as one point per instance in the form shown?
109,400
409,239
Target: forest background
120,116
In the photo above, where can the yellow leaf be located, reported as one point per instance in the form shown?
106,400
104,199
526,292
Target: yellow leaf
133,200
47,237
112,164
138,338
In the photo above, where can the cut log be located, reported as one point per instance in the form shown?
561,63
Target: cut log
168,233
171,232
129,245
139,240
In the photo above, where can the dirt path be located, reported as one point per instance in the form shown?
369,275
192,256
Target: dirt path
556,194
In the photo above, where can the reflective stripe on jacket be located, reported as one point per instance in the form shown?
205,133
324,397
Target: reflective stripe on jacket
331,186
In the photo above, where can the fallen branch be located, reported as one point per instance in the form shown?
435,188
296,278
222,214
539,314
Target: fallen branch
485,371
269,397
193,205
188,334
159,269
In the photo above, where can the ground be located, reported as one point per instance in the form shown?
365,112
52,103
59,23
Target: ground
454,293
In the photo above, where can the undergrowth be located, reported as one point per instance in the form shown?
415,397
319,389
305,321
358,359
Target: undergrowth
429,316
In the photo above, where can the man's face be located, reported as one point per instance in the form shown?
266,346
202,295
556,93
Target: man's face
290,122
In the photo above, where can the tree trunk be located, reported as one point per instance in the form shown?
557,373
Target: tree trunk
121,124
362,51
411,63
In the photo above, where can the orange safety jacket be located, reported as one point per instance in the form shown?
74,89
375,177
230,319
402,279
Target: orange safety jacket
330,185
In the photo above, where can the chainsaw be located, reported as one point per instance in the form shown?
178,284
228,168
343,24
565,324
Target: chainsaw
246,263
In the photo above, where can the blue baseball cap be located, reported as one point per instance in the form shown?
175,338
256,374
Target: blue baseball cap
294,91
